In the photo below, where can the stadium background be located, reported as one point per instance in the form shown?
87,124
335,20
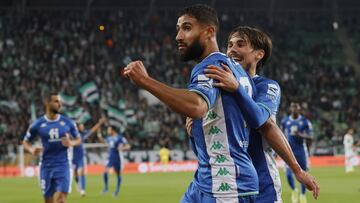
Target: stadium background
79,47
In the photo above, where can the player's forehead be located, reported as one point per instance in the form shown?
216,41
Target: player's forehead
186,20
238,37
54,98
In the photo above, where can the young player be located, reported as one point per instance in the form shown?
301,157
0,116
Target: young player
251,48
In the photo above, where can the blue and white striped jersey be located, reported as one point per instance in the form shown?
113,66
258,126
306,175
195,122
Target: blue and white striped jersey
221,138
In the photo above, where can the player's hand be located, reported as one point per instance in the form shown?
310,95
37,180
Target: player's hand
136,72
309,182
188,125
65,141
36,151
224,76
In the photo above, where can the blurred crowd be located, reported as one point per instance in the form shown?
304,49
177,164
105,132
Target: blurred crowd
44,50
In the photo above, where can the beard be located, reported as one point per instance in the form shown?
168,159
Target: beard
193,51
55,110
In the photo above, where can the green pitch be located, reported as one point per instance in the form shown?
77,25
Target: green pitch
336,186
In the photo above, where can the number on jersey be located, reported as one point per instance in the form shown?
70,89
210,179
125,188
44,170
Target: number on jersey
54,133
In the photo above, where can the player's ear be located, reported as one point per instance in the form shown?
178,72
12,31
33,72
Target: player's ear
210,31
259,54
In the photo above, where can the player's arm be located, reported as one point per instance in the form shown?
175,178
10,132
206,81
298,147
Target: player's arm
182,101
96,127
277,140
30,134
33,150
68,142
75,140
254,114
124,145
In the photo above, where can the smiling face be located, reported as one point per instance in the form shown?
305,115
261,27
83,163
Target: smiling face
188,38
241,51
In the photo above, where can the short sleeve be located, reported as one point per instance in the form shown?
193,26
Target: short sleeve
202,85
73,129
268,95
31,133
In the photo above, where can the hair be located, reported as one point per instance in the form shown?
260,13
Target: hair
202,13
48,96
258,40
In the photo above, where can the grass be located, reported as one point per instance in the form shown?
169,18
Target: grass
336,186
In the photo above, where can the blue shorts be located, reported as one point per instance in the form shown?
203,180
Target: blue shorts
55,179
114,163
194,195
78,163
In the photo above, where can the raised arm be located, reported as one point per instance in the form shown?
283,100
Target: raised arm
182,101
96,127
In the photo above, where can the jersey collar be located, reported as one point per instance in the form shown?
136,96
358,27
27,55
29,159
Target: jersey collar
49,120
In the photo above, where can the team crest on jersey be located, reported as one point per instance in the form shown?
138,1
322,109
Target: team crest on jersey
43,125
62,123
300,123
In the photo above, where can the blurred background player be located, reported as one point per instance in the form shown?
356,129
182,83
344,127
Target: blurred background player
164,154
298,130
79,154
54,131
349,149
117,143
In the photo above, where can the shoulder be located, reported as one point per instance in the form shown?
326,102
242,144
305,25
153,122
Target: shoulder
67,120
213,59
38,122
264,83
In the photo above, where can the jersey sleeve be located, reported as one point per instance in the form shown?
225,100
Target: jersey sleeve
202,85
254,114
86,134
309,129
123,140
31,133
268,95
73,129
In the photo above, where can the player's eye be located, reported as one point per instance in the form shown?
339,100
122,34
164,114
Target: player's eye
187,28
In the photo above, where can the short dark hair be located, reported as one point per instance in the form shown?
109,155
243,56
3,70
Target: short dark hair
202,13
258,40
48,95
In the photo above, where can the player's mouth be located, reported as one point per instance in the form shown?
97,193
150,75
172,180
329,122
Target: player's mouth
181,46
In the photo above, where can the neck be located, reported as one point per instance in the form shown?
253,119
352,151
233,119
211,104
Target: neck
211,48
252,70
295,116
50,115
